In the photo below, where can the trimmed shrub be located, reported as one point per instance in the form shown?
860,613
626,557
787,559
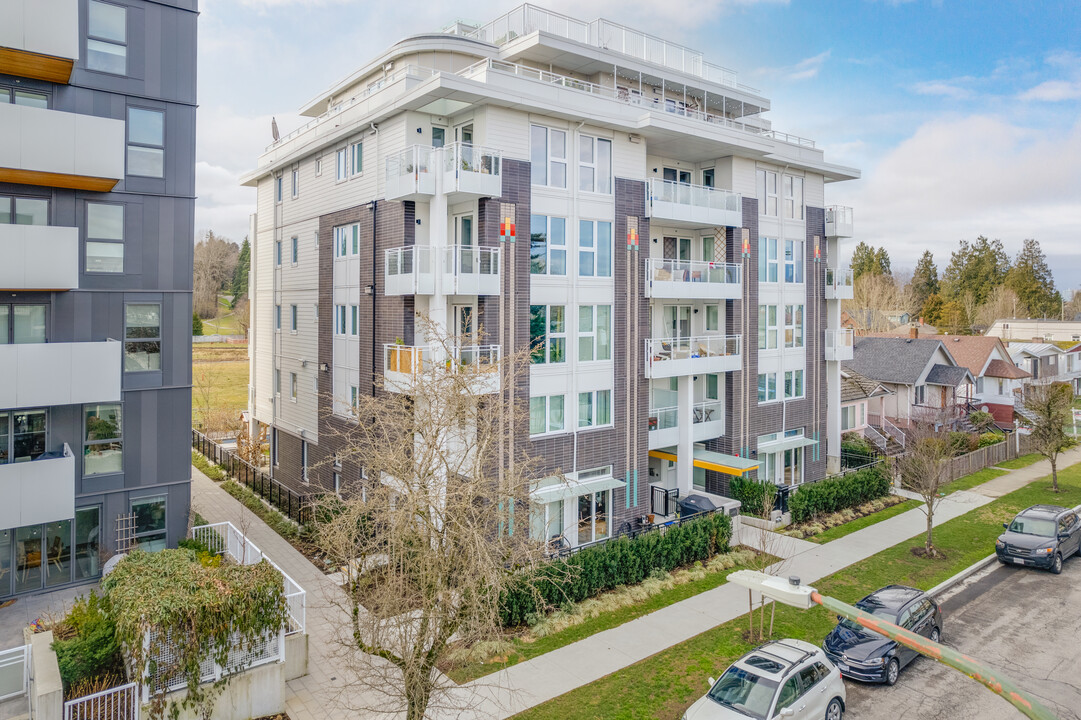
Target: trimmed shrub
856,451
620,561
962,442
991,438
982,421
829,496
753,495
94,650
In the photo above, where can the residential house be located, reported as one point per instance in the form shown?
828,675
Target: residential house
1029,330
998,379
1044,362
861,400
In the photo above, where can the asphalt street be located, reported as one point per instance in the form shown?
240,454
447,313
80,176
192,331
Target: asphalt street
1023,622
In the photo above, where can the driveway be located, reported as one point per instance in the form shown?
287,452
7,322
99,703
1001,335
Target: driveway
1023,622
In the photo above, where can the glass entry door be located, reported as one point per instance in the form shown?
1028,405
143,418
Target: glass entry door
677,321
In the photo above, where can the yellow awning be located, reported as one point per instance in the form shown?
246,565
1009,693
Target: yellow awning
709,460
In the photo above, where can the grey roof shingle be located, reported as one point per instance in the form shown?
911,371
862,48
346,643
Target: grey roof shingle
895,360
948,375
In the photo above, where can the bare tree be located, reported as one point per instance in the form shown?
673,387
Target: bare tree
1049,410
1002,303
875,296
923,470
441,531
214,263
242,313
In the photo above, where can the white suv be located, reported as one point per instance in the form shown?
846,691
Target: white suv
781,679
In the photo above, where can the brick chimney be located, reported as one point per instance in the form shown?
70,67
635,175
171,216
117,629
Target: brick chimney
913,331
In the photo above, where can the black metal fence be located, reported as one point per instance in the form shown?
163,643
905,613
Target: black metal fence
559,547
292,504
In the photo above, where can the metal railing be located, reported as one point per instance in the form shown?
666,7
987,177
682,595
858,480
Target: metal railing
876,437
118,703
668,417
558,546
408,260
224,539
163,673
839,214
466,157
894,432
412,360
842,338
702,346
481,358
693,271
471,260
405,359
838,277
414,160
14,672
694,195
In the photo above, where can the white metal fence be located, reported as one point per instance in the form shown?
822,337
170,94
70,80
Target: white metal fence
14,672
118,703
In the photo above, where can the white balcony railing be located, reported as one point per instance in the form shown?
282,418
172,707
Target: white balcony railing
839,221
687,279
839,283
471,270
472,170
38,491
408,270
685,205
403,364
671,357
409,174
43,374
39,257
839,345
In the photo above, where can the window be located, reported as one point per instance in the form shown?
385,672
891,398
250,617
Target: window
848,417
87,542
546,414
793,197
277,317
354,395
277,382
547,334
767,260
793,261
793,326
767,192
767,387
304,460
595,408
593,516
594,248
347,240
547,245
793,384
23,210
149,522
318,166
278,253
713,387
18,96
296,182
920,394
439,137
21,324
342,163
354,317
594,165
767,327
293,318
104,238
294,254
22,435
339,320
713,318
709,178
106,38
278,189
146,143
142,337
103,446
594,332
358,159
548,156
293,387
274,446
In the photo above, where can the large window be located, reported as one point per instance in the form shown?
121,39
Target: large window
548,156
347,240
546,414
295,176
713,318
149,522
767,327
19,96
293,318
104,238
767,387
767,192
103,446
22,435
87,542
594,164
340,320
547,333
593,516
21,324
594,248
146,143
107,38
595,408
23,210
357,166
793,261
793,197
342,163
793,326
793,384
848,417
142,337
547,245
767,260
594,332
294,251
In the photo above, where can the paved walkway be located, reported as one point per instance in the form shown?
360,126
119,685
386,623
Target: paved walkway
325,692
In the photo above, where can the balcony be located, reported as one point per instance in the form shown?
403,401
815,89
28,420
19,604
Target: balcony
692,206
692,279
405,365
672,357
839,345
839,221
42,374
60,149
408,271
409,175
39,39
39,257
39,491
472,171
708,418
839,283
471,270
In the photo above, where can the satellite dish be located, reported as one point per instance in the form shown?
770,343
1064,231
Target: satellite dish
274,128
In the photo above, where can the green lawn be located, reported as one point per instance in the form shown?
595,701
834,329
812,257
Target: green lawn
865,521
224,324
225,383
1020,462
665,684
970,481
604,621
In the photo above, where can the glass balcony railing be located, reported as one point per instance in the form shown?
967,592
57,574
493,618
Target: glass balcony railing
839,345
408,270
839,285
693,205
666,278
670,357
472,169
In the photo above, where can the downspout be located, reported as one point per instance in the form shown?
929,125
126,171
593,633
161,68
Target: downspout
373,205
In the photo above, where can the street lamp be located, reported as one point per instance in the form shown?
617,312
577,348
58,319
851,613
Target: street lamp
791,592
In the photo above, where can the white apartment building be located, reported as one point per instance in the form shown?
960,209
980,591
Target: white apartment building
610,200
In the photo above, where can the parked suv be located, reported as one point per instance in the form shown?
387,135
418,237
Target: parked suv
862,654
1041,536
781,679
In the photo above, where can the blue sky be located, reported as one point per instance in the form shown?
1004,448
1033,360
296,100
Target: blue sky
965,117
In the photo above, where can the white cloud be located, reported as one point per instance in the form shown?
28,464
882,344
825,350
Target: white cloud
805,69
944,88
1053,91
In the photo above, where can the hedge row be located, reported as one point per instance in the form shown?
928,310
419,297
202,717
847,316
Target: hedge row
751,494
834,494
621,561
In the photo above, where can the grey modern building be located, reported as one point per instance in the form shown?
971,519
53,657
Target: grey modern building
97,184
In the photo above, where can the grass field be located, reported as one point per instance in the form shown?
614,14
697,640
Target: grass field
663,685
860,523
971,480
220,374
1020,462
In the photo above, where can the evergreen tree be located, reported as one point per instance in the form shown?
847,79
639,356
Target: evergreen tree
240,274
866,259
882,262
977,269
924,283
933,309
196,324
1031,279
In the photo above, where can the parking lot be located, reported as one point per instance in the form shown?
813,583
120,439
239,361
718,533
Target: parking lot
1024,622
